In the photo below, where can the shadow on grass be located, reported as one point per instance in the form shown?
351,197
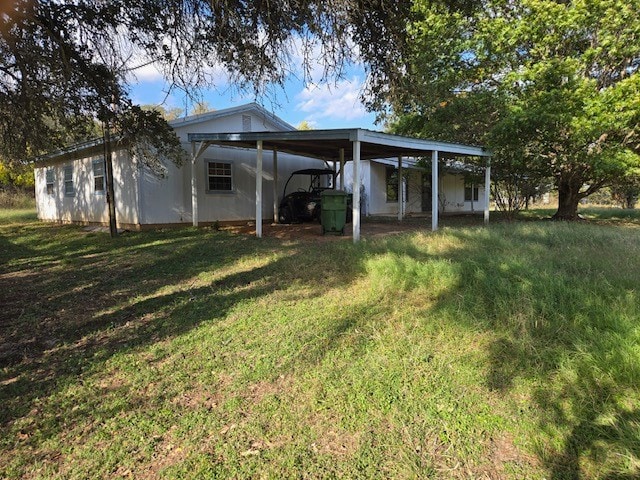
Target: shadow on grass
82,298
565,312
560,300
599,215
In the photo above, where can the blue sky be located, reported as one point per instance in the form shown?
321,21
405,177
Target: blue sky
333,105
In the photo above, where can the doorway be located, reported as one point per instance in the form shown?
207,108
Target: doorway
426,192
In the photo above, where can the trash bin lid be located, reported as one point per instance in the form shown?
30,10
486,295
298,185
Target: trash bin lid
333,193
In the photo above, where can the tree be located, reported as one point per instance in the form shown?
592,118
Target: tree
551,86
168,114
16,176
200,107
304,125
63,63
626,191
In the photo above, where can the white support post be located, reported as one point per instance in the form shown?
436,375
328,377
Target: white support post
356,191
487,190
434,190
400,190
195,154
275,186
259,190
342,169
194,186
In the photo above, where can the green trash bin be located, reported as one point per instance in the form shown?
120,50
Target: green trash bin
333,211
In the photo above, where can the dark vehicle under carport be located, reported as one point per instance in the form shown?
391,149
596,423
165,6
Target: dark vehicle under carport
304,204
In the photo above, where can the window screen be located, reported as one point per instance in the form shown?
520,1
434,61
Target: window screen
98,176
68,180
219,176
50,179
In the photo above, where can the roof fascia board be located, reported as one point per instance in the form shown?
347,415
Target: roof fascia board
380,138
75,151
340,134
351,134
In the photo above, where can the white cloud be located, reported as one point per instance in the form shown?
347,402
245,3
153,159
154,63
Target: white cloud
147,73
339,101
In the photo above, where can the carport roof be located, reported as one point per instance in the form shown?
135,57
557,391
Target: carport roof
326,144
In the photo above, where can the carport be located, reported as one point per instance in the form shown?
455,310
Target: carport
337,146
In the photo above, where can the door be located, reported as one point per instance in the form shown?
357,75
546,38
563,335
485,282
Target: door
426,192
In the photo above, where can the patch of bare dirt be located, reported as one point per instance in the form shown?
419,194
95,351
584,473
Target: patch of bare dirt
337,442
260,390
501,452
313,231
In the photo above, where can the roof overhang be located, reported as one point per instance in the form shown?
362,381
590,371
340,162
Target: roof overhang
326,144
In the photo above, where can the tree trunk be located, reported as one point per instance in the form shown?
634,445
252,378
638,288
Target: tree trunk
630,201
568,198
111,199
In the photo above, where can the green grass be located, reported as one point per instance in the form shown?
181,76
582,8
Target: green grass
504,352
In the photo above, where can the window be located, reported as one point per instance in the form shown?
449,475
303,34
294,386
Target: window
98,176
246,123
470,190
219,177
50,180
392,184
68,181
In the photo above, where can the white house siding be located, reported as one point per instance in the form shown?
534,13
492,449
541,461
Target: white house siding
126,184
365,184
373,177
413,192
162,199
86,205
240,204
451,195
378,203
168,200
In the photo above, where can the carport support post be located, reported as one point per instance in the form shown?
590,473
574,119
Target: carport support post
487,189
400,189
342,169
195,154
275,185
356,191
259,190
434,190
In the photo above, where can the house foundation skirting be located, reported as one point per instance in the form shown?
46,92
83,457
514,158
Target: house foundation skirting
158,226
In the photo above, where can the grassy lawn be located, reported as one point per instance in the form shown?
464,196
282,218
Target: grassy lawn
504,352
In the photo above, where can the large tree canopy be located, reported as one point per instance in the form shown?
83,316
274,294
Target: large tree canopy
552,86
63,63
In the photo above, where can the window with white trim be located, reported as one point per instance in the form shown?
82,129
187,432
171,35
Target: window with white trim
219,177
68,181
98,176
50,179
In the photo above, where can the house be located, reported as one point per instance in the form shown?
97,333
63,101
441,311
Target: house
240,159
70,184
459,190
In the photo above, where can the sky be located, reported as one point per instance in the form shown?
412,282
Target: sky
333,105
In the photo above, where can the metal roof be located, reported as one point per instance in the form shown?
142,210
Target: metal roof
254,108
326,144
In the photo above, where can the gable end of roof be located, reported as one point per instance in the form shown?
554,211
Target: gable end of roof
258,110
